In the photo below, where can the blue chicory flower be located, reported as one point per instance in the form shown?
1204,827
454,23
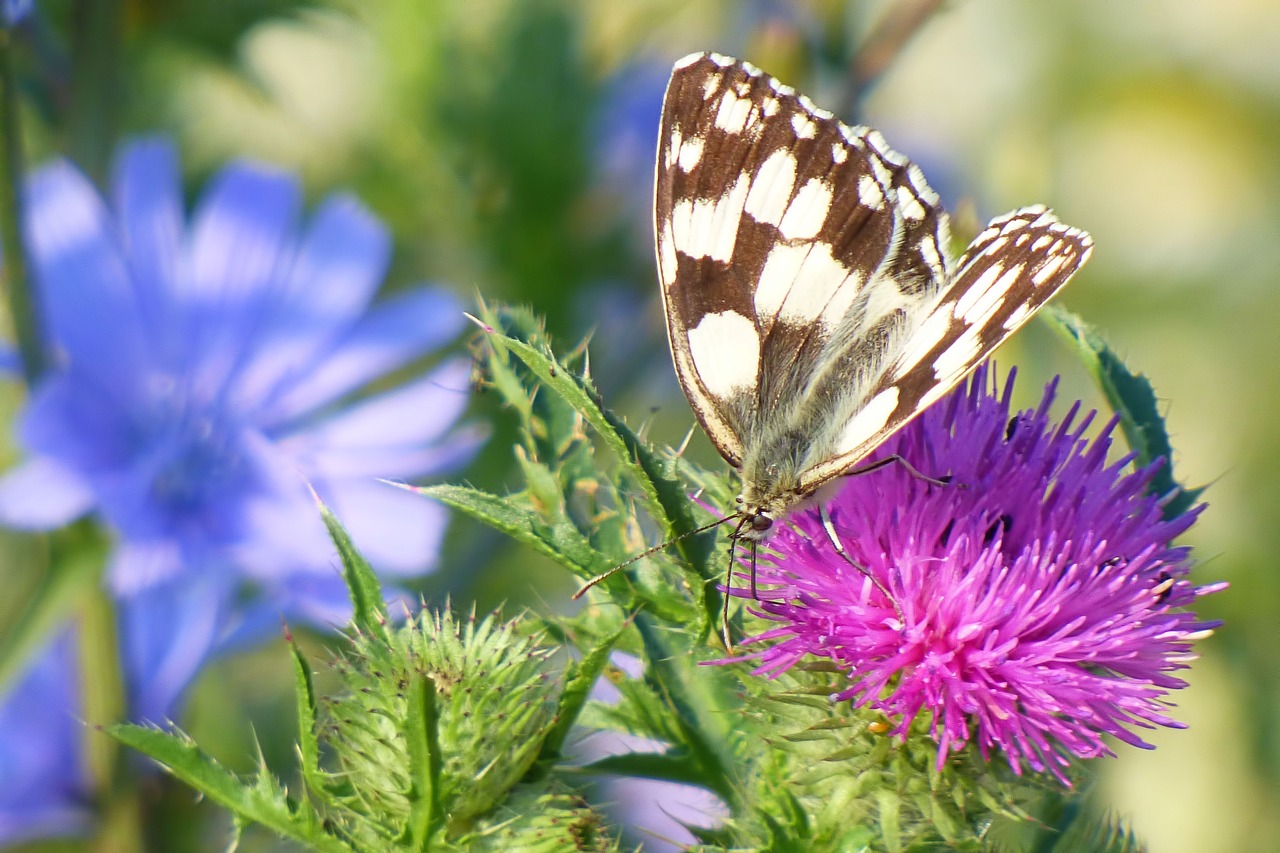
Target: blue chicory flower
13,11
202,363
1037,606
167,633
44,783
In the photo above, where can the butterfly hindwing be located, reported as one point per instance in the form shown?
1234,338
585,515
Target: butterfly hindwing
1018,262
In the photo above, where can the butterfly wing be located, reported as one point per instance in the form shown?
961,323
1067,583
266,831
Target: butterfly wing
810,304
1018,262
781,238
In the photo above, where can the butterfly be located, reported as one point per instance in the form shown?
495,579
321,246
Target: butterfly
811,304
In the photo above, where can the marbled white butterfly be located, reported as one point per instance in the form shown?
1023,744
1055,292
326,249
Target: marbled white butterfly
811,305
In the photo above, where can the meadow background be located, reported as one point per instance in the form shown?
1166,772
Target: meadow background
509,147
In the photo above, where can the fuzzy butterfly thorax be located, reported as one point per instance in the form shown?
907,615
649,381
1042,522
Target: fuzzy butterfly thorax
811,307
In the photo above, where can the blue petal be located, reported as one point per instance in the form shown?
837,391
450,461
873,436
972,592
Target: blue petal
137,565
10,362
88,298
44,784
320,601
388,462
14,11
168,633
55,418
42,494
366,438
391,334
240,248
339,266
397,531
148,197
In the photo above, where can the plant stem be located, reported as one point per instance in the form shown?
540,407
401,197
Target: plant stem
95,85
24,311
104,702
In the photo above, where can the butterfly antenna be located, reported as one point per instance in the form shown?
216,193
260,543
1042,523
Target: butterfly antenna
728,580
655,549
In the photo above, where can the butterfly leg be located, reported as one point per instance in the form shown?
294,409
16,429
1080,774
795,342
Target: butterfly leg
895,459
728,581
839,546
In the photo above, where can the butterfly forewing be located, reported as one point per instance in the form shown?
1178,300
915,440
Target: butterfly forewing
810,304
781,239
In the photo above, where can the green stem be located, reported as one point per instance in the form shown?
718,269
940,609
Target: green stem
24,311
95,85
104,703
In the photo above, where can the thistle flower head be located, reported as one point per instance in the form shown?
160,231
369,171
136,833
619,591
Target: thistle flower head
1037,601
493,699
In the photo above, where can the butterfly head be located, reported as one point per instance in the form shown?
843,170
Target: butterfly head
758,516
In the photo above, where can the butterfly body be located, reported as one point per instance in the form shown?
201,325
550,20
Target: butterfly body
811,305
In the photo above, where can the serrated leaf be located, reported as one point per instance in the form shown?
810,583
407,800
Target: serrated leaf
1134,400
890,813
701,730
422,743
581,676
665,497
674,765
369,610
305,700
560,541
638,712
264,803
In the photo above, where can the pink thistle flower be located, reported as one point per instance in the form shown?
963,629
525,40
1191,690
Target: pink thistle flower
1040,604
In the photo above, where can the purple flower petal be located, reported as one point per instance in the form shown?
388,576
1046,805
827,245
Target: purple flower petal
42,494
1033,611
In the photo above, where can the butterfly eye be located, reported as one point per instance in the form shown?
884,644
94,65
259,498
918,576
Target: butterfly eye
761,522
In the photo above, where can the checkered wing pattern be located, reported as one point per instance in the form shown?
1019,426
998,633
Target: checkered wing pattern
810,303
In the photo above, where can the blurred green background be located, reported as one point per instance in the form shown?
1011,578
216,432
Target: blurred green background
508,145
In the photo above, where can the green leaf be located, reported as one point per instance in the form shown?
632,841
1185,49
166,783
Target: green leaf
422,739
581,676
702,730
369,609
583,398
560,541
263,803
1134,400
674,765
63,589
663,494
305,697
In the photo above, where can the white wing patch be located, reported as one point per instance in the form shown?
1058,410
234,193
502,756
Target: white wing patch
807,212
798,281
708,228
726,353
869,420
771,189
